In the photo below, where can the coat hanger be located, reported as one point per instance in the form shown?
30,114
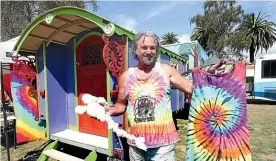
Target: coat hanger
209,62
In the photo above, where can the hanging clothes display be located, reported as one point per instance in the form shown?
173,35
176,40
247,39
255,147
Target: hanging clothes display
217,124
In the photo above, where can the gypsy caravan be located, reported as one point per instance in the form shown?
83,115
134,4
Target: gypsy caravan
76,52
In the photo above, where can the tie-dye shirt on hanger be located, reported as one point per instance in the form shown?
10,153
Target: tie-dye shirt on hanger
149,108
217,124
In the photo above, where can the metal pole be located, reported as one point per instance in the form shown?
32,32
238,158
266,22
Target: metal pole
4,114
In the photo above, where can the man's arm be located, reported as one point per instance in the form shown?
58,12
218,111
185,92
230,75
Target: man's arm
178,81
120,106
185,85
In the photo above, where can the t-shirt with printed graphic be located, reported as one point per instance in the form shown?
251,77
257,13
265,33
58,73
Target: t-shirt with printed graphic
149,108
217,123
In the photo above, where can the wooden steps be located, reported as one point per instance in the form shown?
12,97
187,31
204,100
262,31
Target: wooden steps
50,151
55,154
82,140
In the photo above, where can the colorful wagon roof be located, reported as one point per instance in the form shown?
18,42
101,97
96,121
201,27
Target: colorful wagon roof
59,25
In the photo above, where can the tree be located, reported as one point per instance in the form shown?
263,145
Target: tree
169,38
201,36
259,32
215,29
16,15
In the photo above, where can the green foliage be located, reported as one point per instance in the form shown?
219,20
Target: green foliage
260,33
16,15
169,38
214,30
225,29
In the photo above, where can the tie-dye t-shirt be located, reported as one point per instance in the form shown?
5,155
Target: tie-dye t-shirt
149,108
217,123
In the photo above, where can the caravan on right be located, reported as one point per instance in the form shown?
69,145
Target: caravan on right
261,78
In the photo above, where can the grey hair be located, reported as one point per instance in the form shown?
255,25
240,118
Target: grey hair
138,36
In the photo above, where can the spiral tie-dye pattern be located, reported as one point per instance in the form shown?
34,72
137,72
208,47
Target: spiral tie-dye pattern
149,108
217,124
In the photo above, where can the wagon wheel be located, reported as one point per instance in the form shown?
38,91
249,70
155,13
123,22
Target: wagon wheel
113,56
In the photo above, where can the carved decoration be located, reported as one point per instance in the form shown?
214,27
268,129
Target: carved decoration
25,69
114,55
91,55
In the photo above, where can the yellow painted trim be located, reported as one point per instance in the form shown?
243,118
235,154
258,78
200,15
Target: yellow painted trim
126,68
46,90
37,87
93,33
126,52
108,99
74,128
177,99
159,56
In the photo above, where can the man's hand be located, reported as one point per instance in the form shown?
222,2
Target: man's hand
108,109
219,67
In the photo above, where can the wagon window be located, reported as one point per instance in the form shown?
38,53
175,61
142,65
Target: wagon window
91,55
269,68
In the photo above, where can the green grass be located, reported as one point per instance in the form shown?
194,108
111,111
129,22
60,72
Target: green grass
262,131
22,149
261,125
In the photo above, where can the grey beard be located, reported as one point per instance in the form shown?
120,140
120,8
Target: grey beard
149,60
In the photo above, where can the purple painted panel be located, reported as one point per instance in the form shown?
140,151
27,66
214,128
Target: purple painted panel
56,62
181,104
180,67
181,94
40,67
165,58
70,81
173,99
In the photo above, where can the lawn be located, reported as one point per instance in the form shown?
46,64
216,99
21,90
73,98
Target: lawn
262,132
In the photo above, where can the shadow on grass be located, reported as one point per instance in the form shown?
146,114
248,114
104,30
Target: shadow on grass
260,101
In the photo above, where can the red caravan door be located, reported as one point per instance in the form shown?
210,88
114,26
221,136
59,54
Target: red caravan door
91,76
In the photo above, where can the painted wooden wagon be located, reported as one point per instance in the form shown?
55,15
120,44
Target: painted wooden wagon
76,52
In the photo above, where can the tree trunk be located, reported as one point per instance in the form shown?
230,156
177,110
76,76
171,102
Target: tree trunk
196,56
252,52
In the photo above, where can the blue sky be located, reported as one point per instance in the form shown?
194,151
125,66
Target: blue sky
168,16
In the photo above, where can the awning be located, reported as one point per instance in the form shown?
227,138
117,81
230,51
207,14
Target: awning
59,26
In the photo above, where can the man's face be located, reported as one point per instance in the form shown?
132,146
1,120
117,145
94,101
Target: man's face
146,50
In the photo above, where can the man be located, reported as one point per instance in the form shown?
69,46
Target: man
145,94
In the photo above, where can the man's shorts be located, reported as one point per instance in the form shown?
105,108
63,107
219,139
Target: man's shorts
163,153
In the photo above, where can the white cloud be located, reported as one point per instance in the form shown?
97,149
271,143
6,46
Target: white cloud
159,9
272,50
126,22
184,38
